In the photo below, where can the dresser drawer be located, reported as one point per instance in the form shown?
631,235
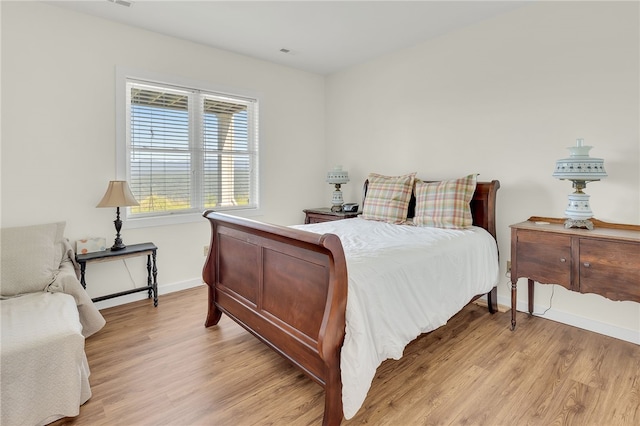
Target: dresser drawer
326,215
544,257
610,268
319,218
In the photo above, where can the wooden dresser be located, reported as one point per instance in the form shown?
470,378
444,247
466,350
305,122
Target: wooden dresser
604,261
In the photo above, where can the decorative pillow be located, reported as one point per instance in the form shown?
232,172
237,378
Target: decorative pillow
445,204
387,198
30,257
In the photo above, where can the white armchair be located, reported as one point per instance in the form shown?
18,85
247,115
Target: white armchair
46,316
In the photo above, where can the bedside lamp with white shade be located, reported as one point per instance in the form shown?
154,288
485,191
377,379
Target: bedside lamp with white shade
337,177
580,169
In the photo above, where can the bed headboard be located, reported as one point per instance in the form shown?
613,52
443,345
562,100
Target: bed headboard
483,204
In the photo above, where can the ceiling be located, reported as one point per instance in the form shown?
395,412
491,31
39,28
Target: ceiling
320,36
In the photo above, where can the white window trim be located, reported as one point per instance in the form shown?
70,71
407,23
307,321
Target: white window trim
122,74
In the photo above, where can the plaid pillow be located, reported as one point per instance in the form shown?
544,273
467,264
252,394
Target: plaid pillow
445,204
387,198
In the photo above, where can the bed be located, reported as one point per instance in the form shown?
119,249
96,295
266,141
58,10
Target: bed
288,286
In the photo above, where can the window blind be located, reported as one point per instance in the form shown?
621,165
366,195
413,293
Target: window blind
190,150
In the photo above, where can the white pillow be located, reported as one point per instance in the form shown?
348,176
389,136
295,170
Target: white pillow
30,257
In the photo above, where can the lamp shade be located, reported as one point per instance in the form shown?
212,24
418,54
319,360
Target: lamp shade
118,195
579,166
338,176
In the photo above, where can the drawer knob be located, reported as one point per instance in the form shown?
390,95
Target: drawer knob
562,259
587,264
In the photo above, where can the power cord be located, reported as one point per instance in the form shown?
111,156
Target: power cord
129,272
553,291
508,283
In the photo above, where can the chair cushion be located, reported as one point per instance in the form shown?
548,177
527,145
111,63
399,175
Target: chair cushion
45,374
30,257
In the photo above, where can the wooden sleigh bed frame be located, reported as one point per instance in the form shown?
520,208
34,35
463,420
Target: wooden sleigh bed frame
288,287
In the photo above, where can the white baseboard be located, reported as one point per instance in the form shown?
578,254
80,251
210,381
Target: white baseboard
577,321
563,317
162,289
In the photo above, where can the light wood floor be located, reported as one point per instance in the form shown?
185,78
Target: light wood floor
161,366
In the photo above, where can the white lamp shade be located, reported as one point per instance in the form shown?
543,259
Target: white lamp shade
579,166
118,195
338,176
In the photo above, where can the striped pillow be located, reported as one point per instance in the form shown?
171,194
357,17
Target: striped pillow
445,204
387,198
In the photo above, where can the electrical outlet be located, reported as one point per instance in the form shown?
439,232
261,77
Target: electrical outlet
508,266
205,251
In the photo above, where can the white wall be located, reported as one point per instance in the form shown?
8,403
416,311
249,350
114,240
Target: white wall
504,98
58,132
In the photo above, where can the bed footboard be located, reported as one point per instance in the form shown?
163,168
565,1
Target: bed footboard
287,287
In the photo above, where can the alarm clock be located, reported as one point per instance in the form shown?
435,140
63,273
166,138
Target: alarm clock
350,207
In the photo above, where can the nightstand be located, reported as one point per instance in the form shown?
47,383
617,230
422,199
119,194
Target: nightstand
324,214
148,249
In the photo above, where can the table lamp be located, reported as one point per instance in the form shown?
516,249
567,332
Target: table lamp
580,169
337,177
118,195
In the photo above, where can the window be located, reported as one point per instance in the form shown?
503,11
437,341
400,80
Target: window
188,150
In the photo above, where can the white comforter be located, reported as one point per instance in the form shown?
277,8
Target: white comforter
403,281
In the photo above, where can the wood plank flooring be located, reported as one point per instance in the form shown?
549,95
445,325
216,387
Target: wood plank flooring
161,366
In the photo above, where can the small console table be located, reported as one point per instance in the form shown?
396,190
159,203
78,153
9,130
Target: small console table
604,261
132,250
